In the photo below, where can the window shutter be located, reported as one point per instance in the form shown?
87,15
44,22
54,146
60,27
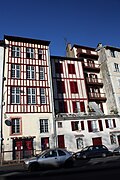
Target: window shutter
114,123
82,106
72,125
89,126
82,125
100,125
73,87
106,122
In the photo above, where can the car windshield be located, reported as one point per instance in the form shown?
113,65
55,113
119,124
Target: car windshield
42,153
84,149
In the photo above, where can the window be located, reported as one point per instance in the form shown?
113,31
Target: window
42,73
62,107
71,68
61,153
43,125
30,74
15,71
42,96
31,95
15,95
95,125
59,124
74,125
15,51
15,126
113,139
78,106
116,67
79,142
73,87
59,68
39,54
29,53
110,123
60,87
112,53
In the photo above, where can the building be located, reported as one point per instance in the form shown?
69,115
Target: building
79,108
53,101
109,58
27,122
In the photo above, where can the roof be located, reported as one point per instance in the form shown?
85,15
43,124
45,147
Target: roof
84,47
112,48
27,40
65,58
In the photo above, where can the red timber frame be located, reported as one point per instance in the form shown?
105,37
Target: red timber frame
24,83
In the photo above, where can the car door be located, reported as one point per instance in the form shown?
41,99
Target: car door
49,159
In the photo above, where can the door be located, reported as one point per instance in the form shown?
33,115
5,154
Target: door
44,143
61,143
97,141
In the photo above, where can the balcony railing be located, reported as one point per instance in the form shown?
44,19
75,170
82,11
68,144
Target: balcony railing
94,81
97,96
92,66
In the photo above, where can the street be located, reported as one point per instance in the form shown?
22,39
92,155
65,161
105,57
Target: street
97,167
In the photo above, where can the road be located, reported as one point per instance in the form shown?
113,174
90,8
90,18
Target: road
95,168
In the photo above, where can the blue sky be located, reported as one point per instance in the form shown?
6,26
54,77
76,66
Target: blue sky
82,22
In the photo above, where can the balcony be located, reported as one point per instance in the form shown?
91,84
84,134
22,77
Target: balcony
96,96
94,81
92,67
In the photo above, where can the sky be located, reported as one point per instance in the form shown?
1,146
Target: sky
81,22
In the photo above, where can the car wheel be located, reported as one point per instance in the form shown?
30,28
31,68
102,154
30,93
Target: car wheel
104,155
33,167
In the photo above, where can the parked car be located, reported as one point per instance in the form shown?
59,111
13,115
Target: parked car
116,151
92,152
56,157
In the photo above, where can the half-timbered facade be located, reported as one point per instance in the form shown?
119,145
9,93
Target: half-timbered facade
28,109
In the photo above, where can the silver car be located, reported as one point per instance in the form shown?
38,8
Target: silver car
56,157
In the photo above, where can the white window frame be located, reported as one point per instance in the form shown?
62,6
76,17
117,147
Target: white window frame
30,72
117,68
31,93
16,126
44,126
79,143
94,124
15,71
42,73
30,53
15,51
15,95
42,96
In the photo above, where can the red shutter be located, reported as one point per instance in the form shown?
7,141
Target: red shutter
100,125
114,123
73,87
89,126
82,125
71,69
106,122
82,106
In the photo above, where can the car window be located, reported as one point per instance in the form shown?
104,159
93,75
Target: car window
51,153
61,153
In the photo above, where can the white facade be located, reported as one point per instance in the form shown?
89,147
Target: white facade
28,118
75,140
109,58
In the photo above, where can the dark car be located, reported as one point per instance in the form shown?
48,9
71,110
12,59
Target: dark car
117,151
56,157
92,152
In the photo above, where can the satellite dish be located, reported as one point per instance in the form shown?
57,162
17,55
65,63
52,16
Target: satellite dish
8,122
